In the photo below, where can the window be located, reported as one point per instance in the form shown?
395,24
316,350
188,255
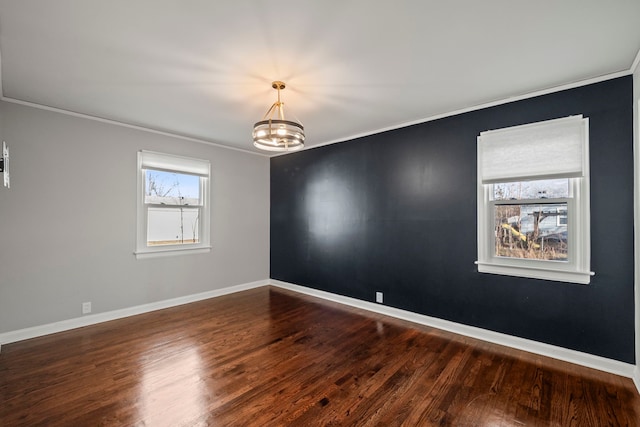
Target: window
526,219
533,201
173,205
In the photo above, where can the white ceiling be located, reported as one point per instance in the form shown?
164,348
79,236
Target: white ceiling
203,69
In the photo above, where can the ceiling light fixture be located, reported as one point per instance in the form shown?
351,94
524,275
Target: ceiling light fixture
278,134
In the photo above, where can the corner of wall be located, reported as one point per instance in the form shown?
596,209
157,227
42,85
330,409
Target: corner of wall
635,69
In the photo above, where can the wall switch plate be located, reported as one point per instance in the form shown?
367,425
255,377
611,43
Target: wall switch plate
86,307
379,297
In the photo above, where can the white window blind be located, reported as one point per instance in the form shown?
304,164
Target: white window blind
543,150
170,163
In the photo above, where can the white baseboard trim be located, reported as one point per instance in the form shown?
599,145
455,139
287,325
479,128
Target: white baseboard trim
92,319
572,356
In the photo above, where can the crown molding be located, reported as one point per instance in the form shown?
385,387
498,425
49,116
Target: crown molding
479,107
125,125
635,64
631,70
115,122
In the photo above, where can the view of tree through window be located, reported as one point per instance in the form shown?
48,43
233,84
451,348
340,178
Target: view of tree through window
526,225
173,207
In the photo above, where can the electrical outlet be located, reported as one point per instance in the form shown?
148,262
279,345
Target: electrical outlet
86,307
379,297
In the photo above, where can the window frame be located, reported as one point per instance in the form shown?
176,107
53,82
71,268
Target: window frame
576,268
150,160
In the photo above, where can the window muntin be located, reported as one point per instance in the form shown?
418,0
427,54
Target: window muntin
539,170
173,207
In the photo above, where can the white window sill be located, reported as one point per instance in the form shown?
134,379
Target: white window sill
581,277
173,251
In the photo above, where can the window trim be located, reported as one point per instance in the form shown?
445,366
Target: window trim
178,164
577,268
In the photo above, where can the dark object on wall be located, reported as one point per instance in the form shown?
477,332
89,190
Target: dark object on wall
395,212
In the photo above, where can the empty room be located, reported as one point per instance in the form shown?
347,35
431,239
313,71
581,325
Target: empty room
305,213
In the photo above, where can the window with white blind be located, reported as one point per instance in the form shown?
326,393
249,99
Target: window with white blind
533,201
173,205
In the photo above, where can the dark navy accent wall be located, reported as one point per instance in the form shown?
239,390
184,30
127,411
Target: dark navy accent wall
396,212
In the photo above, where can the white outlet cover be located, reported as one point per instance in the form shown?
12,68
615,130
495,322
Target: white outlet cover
86,307
379,297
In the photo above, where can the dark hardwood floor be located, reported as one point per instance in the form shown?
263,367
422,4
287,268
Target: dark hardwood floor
270,357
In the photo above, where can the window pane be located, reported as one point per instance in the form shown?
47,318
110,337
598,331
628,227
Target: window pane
171,188
527,190
531,231
173,226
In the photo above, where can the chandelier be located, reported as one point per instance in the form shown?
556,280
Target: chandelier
273,132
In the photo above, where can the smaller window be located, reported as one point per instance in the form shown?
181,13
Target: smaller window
173,208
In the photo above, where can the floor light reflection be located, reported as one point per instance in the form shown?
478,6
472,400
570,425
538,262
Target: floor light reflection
172,391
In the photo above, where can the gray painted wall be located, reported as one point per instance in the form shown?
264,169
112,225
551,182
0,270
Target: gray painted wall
69,172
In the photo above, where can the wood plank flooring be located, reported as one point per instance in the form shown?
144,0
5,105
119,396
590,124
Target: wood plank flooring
270,357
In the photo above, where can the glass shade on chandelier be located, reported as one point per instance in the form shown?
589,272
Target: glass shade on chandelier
275,133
